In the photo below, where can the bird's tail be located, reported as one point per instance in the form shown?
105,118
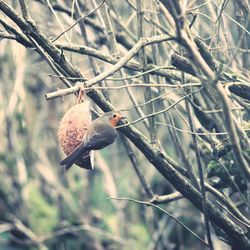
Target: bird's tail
72,157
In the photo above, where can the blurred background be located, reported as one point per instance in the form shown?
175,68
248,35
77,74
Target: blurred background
41,206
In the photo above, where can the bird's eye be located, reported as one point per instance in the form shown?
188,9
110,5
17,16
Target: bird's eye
114,115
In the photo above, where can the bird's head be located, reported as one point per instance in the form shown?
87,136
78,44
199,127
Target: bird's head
112,117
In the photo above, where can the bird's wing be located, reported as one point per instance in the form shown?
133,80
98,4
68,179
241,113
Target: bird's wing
100,137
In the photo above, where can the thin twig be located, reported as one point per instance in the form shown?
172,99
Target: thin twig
68,91
163,199
55,67
82,18
193,133
158,112
134,65
135,163
130,54
24,9
235,217
227,201
164,211
57,18
146,79
201,176
230,123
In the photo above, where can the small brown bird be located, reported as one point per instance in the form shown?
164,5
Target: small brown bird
100,134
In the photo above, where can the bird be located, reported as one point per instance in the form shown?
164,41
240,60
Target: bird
100,134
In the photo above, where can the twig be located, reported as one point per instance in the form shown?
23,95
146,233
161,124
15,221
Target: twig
234,184
5,227
163,199
137,169
146,79
158,112
230,123
19,37
92,61
83,227
226,200
193,133
164,211
4,35
109,29
138,75
185,160
201,176
57,18
177,12
24,9
160,27
30,234
82,18
131,53
235,217
56,68
142,42
134,65
68,91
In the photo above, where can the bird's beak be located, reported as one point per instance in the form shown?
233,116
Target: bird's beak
123,117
